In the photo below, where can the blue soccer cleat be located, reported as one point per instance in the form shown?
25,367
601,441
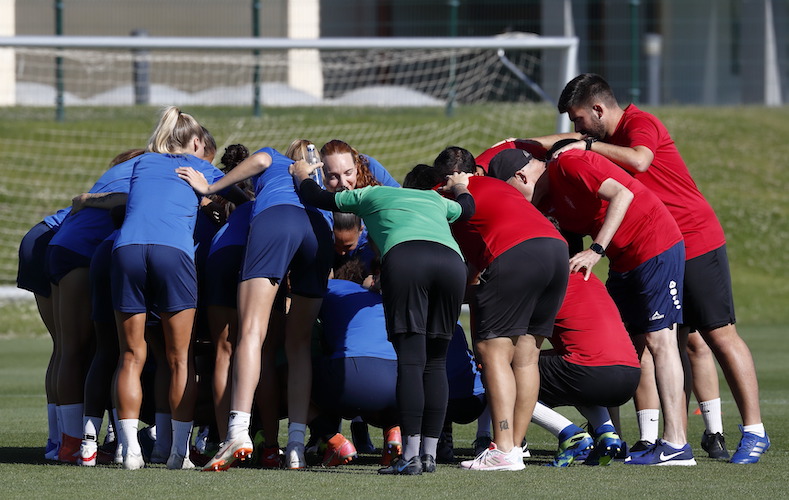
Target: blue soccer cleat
751,448
572,448
606,448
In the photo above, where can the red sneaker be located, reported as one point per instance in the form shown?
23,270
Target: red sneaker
339,451
393,445
69,449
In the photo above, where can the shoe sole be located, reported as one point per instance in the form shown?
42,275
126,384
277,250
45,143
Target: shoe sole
240,455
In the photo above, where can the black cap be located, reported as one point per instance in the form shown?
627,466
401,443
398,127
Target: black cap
506,163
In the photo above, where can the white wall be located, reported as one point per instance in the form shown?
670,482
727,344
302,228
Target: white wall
304,67
7,58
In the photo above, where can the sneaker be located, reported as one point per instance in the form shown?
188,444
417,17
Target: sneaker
751,448
445,453
481,444
428,463
714,445
393,445
525,448
662,454
271,457
69,449
51,450
133,461
157,456
360,435
294,456
606,448
201,441
339,451
177,461
399,466
572,448
88,453
495,459
147,438
118,459
640,447
238,449
106,453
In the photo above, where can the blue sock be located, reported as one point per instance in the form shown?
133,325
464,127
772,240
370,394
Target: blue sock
569,431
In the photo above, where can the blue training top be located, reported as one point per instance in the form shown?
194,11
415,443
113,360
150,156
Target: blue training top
162,207
55,220
235,230
274,186
83,231
380,173
353,322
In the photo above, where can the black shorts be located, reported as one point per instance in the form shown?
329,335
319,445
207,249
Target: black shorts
521,290
101,284
568,384
708,299
32,272
422,284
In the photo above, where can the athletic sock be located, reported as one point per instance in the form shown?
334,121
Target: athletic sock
648,424
52,423
676,446
757,429
597,416
91,427
163,439
483,423
411,446
238,424
550,420
296,432
711,414
128,433
72,419
429,446
59,418
182,435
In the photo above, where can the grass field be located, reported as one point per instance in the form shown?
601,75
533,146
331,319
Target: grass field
24,351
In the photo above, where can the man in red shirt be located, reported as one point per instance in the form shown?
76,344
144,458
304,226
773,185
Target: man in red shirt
589,195
639,143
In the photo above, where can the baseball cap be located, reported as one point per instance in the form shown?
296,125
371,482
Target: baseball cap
507,162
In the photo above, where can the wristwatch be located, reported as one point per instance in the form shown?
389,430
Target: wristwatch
598,249
589,141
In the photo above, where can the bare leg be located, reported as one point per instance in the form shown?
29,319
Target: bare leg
497,356
223,323
527,383
663,346
705,374
178,336
133,353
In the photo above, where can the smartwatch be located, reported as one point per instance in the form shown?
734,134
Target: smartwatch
598,249
589,141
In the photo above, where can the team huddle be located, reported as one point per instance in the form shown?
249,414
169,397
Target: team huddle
320,290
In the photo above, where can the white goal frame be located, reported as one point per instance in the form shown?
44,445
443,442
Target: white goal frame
566,46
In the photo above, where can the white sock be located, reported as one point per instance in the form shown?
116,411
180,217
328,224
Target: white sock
711,414
91,427
72,419
296,432
238,424
52,422
128,434
164,433
757,429
648,424
182,436
549,419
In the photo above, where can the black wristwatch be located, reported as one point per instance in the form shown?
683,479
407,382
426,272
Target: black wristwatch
598,249
589,141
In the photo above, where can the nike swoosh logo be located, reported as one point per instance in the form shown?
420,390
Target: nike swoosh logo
664,457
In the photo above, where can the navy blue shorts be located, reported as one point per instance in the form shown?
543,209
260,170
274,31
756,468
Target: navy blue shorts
649,297
61,261
221,273
422,284
354,386
101,283
32,271
515,296
708,301
286,238
568,384
155,277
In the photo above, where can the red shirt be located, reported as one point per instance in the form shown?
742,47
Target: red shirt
647,228
503,218
588,330
668,177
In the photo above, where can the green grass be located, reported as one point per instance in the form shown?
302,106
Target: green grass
23,420
735,155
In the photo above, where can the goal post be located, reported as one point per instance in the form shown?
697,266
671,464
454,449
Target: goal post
303,51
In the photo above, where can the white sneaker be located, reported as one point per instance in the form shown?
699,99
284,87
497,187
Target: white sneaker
495,459
133,461
178,461
294,456
118,454
88,451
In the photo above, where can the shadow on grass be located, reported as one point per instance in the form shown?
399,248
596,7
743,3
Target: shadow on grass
19,455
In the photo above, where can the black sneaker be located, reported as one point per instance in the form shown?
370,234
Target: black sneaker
714,445
445,453
411,467
640,447
428,463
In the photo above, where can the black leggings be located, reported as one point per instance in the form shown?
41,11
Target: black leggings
422,387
